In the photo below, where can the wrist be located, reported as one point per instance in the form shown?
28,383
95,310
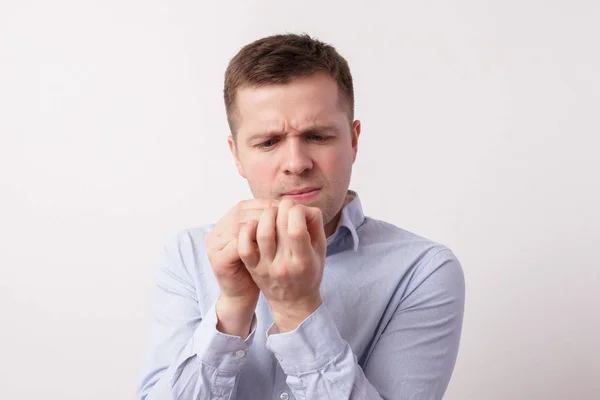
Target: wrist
289,316
234,316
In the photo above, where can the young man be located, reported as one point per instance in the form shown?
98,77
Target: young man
295,294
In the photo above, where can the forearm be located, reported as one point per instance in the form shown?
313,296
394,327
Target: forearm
339,378
184,379
205,368
318,362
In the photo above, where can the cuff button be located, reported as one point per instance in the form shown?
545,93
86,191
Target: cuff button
240,354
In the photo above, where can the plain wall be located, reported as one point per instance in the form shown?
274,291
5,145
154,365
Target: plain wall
481,125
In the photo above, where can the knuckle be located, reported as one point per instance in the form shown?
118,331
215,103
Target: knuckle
245,252
236,211
296,234
281,272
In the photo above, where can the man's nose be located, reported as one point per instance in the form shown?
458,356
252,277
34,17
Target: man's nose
297,158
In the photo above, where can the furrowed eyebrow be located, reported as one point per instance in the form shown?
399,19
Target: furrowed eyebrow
259,137
320,128
271,134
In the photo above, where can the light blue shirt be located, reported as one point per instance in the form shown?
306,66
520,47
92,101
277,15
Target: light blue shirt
389,326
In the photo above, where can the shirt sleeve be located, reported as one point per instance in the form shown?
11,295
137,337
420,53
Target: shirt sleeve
414,355
186,356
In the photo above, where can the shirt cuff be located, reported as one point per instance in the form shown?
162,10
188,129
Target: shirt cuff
311,346
219,350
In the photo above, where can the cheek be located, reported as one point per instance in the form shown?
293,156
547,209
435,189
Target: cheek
337,165
261,174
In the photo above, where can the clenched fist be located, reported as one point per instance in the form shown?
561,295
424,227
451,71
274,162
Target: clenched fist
239,294
284,253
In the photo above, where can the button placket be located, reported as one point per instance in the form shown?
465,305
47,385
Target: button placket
280,390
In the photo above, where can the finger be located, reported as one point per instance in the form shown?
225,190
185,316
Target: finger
316,230
250,212
223,238
282,220
297,232
256,204
247,247
266,234
229,253
221,241
218,241
245,217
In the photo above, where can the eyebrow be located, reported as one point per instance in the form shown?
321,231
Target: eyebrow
269,134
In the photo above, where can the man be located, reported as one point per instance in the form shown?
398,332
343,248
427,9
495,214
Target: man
295,294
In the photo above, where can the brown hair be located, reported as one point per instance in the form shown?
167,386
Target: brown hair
279,59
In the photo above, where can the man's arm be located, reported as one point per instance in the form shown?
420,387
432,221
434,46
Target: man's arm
184,347
413,358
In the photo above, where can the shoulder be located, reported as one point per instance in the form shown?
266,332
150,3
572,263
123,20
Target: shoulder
418,256
189,238
186,248
377,232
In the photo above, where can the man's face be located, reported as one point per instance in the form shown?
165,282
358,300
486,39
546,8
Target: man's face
296,137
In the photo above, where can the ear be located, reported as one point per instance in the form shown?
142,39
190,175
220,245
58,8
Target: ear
234,153
355,136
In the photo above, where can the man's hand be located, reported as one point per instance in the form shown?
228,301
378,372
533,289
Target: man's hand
285,254
239,294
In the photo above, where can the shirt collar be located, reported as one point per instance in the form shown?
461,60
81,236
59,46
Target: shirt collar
351,218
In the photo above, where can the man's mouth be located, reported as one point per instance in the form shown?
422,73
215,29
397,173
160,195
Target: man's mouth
305,193
300,191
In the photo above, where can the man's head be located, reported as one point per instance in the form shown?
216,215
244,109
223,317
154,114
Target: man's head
290,107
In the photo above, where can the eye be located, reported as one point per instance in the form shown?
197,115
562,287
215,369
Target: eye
267,144
317,138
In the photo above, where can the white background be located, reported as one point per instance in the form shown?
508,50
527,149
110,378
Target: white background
480,131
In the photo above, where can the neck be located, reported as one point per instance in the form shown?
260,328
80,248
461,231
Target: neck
332,225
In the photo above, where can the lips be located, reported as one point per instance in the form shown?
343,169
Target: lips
300,191
303,195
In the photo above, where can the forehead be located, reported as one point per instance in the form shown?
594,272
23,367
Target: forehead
291,106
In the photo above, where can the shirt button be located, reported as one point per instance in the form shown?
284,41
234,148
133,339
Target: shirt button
284,396
240,354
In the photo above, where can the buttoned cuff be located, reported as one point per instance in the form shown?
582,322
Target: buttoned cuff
224,352
311,346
